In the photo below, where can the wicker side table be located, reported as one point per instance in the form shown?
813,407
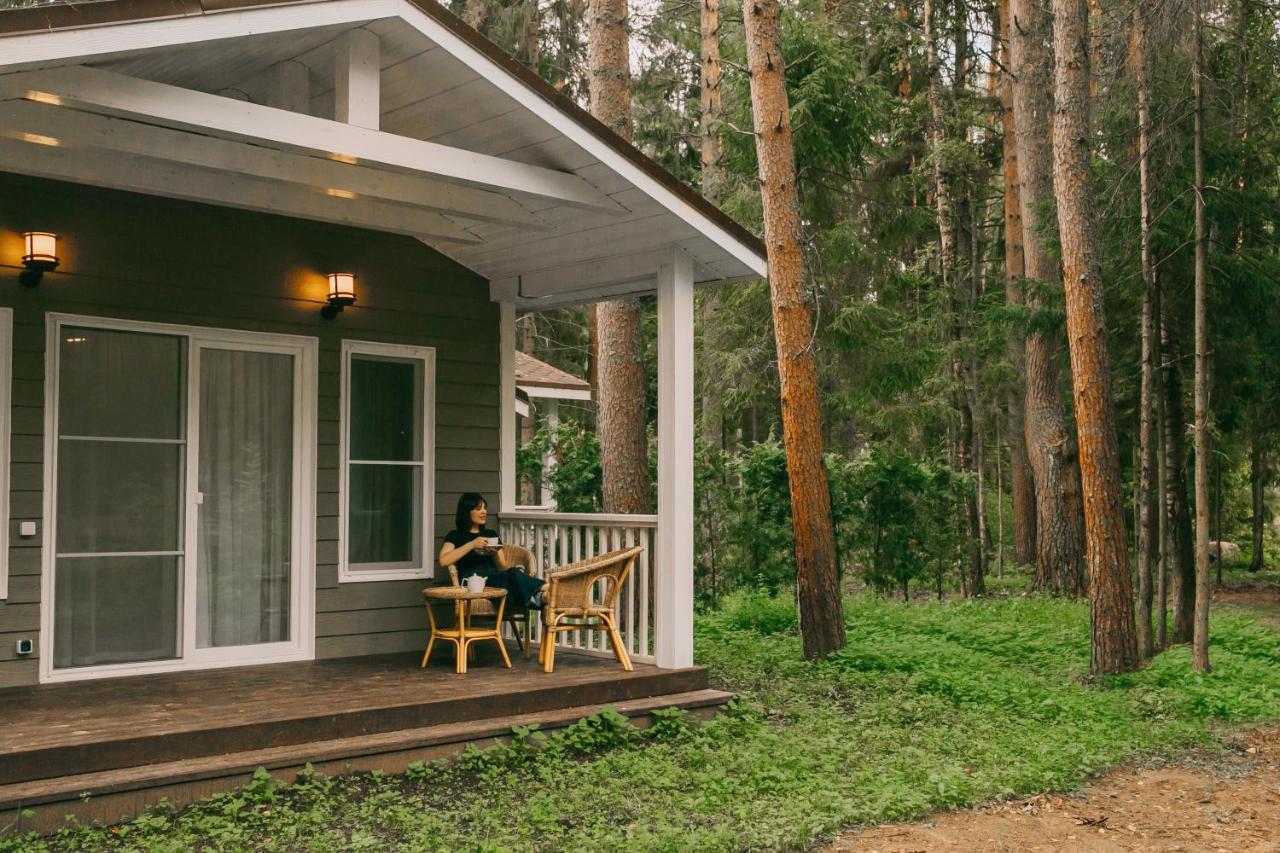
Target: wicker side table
463,634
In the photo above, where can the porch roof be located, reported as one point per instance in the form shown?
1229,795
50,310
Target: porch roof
267,105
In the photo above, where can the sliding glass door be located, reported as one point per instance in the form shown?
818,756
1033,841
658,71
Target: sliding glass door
178,484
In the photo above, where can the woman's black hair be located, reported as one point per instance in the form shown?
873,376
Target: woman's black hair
467,502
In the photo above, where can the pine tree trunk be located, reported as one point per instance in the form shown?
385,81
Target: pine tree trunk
1162,484
1147,511
937,136
711,422
1181,554
1059,518
1257,486
1115,644
1022,487
624,457
1200,632
817,587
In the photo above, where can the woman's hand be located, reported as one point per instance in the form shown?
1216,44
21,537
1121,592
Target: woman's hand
481,544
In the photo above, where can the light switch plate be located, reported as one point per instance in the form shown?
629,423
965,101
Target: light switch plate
27,528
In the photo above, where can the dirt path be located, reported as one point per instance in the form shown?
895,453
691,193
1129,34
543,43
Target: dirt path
1202,802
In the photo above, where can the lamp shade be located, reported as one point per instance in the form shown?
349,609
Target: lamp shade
40,247
342,287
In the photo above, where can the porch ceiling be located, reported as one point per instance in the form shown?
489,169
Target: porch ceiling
471,153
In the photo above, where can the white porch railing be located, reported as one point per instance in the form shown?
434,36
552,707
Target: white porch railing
557,538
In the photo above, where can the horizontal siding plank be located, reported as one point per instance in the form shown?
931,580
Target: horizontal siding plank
371,595
370,644
19,617
19,673
379,621
9,645
24,589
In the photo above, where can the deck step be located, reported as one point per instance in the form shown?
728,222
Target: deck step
308,722
387,750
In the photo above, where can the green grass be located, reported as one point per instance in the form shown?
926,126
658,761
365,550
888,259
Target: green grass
928,707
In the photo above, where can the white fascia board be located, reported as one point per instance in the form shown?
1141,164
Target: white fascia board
102,41
580,135
109,93
544,393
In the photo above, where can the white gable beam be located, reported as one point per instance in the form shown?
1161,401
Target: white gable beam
289,86
341,180
37,156
357,80
115,94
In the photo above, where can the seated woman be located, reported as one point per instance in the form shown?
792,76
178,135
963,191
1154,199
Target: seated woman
468,547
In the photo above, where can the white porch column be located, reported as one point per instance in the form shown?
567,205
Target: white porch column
673,562
357,97
507,406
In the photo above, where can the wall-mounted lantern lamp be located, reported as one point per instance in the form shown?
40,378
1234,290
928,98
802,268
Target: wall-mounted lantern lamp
342,292
40,256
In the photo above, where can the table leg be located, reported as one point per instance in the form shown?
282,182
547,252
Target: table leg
463,610
498,632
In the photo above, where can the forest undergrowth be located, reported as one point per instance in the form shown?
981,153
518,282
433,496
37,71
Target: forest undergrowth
929,706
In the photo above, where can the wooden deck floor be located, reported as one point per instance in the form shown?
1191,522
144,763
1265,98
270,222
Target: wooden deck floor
92,726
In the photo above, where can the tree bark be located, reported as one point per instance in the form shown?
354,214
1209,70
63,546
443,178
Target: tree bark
1181,553
624,457
1022,487
1200,632
1162,484
1114,638
1146,510
1257,486
711,423
1059,520
817,586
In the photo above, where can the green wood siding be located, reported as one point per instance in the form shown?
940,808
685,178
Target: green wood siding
140,258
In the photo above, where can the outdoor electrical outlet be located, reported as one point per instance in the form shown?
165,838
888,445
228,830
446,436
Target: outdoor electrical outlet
27,528
25,647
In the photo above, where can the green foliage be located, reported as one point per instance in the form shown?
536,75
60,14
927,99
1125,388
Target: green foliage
576,479
927,707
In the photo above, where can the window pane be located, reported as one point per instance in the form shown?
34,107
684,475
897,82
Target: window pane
386,409
385,510
115,610
118,496
120,384
245,534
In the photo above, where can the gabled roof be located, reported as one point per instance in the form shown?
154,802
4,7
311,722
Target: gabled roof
536,373
442,84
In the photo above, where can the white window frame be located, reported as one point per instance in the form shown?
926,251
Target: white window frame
6,410
302,642
347,573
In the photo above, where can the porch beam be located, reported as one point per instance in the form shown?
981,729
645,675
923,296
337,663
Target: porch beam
673,563
507,406
340,180
45,158
357,79
599,278
106,92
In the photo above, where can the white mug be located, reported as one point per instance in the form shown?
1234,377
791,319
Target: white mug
475,583
494,542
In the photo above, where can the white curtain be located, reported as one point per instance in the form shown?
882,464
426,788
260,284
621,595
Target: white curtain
246,474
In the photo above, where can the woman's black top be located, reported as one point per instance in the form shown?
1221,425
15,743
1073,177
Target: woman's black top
473,562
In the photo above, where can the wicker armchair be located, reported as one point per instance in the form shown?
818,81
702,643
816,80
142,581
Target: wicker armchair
514,615
569,595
